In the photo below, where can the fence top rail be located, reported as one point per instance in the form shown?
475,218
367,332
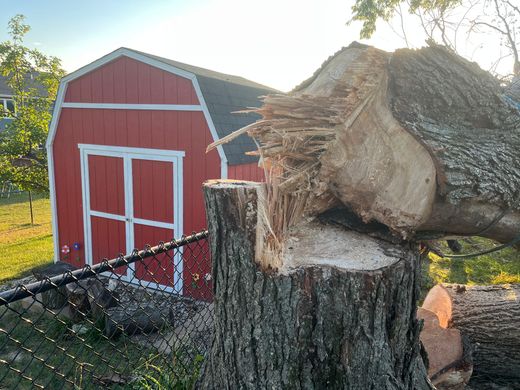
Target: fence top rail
30,290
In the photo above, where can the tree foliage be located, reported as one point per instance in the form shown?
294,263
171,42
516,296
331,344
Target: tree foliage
443,20
370,11
34,79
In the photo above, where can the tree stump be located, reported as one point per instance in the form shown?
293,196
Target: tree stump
489,316
339,313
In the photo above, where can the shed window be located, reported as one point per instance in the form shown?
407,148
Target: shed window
6,107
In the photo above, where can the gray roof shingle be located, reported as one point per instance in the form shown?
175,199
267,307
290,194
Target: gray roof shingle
5,90
32,82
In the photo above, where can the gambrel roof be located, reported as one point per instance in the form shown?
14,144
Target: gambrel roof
225,94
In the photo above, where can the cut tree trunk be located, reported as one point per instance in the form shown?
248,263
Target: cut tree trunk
489,316
449,355
339,313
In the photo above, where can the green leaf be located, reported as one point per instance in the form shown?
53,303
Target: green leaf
34,80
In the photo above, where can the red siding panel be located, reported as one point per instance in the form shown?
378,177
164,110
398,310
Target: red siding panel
108,236
85,90
119,82
96,80
153,190
106,184
144,83
170,89
251,172
160,268
128,81
156,86
107,75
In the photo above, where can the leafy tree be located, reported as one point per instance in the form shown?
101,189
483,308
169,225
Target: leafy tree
34,79
442,20
370,11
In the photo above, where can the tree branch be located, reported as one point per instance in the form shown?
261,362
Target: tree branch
475,23
509,35
402,26
517,9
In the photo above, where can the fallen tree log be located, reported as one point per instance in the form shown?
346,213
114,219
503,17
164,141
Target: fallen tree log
489,316
449,356
418,140
340,313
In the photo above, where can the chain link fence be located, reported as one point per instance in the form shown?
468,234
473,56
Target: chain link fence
138,321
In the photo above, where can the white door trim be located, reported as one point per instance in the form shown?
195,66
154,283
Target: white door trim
129,154
120,151
94,213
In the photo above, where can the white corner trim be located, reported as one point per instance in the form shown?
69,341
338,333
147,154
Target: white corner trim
52,196
56,113
50,167
212,129
117,106
224,170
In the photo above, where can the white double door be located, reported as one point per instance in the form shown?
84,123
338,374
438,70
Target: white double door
132,197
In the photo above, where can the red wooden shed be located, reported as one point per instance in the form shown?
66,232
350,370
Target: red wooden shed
127,155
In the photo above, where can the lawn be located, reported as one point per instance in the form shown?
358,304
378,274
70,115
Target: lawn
24,246
496,268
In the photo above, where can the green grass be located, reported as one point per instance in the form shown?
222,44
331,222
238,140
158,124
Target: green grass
496,268
24,246
34,337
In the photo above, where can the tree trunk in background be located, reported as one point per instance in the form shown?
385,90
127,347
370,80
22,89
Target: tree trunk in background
489,316
340,313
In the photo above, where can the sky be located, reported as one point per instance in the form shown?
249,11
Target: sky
278,43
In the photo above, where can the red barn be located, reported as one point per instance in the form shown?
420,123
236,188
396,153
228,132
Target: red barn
127,155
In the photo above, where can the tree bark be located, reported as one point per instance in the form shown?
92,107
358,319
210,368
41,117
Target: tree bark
339,313
489,316
135,320
459,113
